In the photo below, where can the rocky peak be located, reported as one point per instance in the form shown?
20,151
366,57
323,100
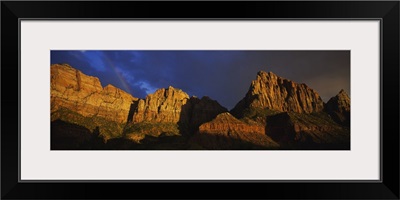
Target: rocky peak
110,87
206,98
170,92
225,123
276,93
164,105
340,102
343,95
204,110
226,117
114,91
338,107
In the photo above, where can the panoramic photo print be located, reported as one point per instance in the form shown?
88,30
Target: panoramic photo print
199,100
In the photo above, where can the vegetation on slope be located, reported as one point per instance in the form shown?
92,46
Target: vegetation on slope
138,131
108,129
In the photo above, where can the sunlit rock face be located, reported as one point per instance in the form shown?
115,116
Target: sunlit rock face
73,90
165,105
269,91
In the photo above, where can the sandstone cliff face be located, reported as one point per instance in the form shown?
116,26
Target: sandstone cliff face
77,92
294,130
338,107
165,105
227,132
269,91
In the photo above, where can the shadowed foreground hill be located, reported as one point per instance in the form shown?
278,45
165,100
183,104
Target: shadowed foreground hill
307,131
276,113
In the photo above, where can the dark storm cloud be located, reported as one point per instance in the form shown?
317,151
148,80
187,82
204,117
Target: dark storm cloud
222,75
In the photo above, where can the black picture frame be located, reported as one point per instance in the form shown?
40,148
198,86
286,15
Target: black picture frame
386,11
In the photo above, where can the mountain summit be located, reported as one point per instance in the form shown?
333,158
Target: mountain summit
338,108
269,91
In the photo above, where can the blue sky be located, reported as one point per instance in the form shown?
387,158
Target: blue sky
222,75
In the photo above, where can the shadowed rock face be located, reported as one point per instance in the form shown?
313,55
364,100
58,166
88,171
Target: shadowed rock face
75,91
302,131
269,91
338,107
204,110
227,132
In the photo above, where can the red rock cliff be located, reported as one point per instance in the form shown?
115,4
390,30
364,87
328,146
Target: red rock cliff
83,94
275,93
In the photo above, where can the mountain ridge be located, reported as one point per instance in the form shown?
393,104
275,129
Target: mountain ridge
254,123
